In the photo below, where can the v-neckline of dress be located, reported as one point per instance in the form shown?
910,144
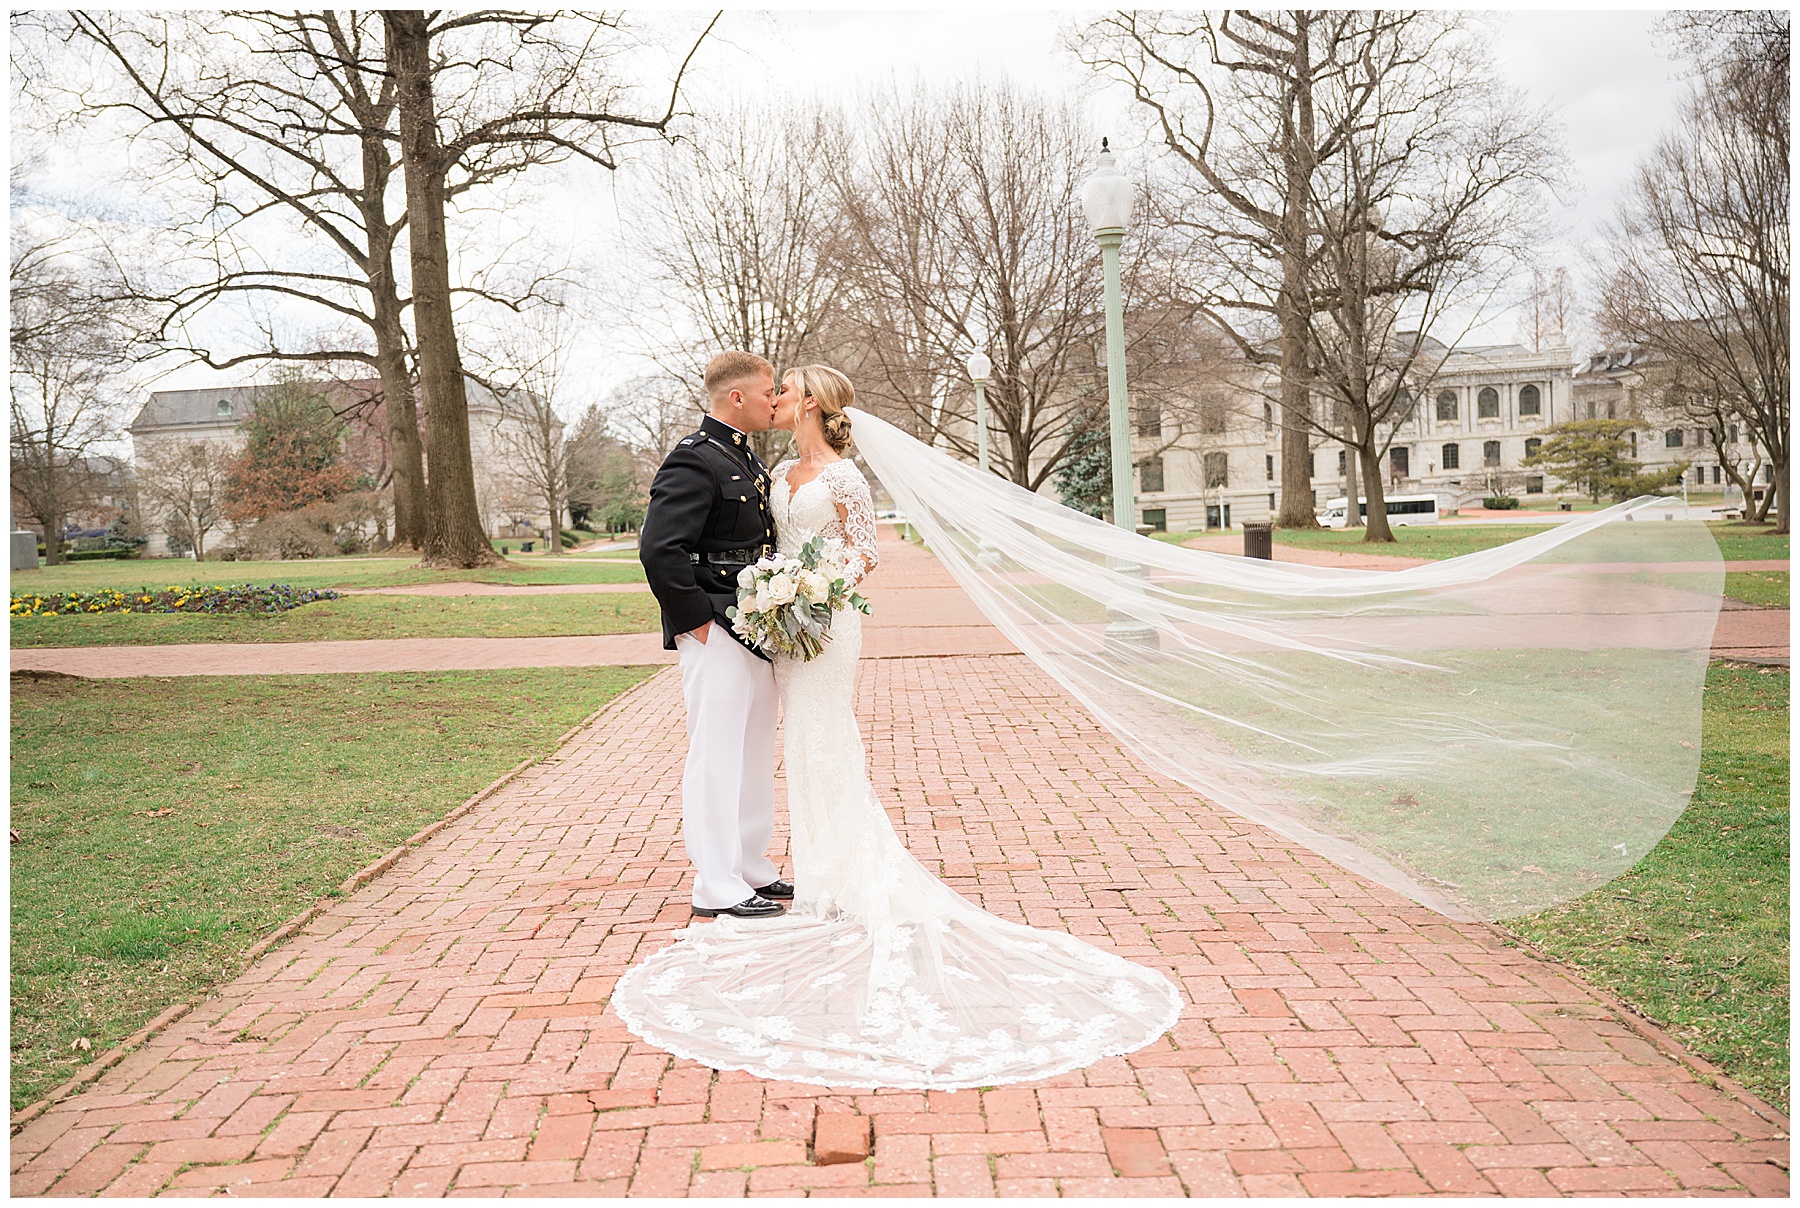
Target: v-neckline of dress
794,489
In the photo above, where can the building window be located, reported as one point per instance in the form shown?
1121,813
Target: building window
1534,485
1149,421
1532,445
1672,438
1452,457
1342,470
1212,416
1271,502
1268,419
1529,401
1157,519
1487,403
1715,476
1404,404
1217,518
1490,453
1399,460
1731,434
1268,467
1699,476
1150,475
1217,471
1632,436
224,406
1446,404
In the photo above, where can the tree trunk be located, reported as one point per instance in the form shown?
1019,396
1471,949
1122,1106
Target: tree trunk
1377,522
1352,487
1777,497
453,532
54,524
405,455
1297,504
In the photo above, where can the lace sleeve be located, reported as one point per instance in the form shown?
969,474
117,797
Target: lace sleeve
850,491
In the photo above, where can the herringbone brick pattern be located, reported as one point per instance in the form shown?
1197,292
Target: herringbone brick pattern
444,1030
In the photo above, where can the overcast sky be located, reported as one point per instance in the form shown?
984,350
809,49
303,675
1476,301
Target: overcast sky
1601,73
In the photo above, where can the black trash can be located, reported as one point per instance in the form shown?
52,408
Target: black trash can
1259,540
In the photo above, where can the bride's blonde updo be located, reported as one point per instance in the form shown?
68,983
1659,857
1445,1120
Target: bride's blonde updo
833,392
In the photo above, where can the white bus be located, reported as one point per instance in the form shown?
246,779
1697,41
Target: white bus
1401,509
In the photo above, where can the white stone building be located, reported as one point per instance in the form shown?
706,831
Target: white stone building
1481,414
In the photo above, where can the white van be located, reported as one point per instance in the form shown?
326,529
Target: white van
1401,509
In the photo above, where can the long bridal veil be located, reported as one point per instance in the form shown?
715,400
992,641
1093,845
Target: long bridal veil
1488,735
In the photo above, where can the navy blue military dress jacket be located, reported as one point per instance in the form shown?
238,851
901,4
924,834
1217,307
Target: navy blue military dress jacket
709,517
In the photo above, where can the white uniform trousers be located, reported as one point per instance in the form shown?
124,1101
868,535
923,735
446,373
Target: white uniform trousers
728,787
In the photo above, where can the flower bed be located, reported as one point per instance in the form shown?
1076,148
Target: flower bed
244,598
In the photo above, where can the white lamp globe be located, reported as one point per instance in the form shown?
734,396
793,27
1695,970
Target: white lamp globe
980,367
1106,195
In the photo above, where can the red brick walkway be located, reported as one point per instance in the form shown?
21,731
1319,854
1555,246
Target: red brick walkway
444,1030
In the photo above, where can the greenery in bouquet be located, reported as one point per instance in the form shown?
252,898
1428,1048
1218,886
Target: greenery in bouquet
785,604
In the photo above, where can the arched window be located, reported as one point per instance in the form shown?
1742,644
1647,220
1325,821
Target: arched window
1452,457
1672,438
1268,419
1446,404
1530,401
1532,445
1490,453
1487,403
224,406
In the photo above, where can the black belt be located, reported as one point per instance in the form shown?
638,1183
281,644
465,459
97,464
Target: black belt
734,557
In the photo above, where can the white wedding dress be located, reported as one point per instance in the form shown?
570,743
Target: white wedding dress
879,974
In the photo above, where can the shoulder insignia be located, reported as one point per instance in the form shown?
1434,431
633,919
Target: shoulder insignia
687,440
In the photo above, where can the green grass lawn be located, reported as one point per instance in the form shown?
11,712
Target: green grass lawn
277,788
317,572
1766,587
1696,935
376,616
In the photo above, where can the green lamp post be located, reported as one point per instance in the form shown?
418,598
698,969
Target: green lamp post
980,368
1106,198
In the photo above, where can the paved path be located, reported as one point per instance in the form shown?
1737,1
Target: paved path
444,1030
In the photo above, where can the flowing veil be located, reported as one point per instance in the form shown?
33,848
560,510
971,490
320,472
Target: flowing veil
1488,735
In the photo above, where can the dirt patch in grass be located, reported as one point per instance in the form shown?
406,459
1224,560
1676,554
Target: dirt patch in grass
166,825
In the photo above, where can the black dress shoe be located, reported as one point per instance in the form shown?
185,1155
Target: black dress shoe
752,907
783,890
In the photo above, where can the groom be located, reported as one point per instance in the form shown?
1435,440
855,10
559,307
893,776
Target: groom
708,519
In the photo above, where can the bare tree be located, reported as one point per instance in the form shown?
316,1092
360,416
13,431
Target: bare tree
962,227
740,241
1233,98
1425,208
530,380
1548,313
1696,265
183,485
493,92
71,335
285,120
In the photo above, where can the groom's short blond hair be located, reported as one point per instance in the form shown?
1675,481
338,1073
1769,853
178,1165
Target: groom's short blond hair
728,369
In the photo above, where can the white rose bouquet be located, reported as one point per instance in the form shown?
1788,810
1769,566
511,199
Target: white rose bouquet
785,604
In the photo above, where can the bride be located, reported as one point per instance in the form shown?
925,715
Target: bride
880,974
